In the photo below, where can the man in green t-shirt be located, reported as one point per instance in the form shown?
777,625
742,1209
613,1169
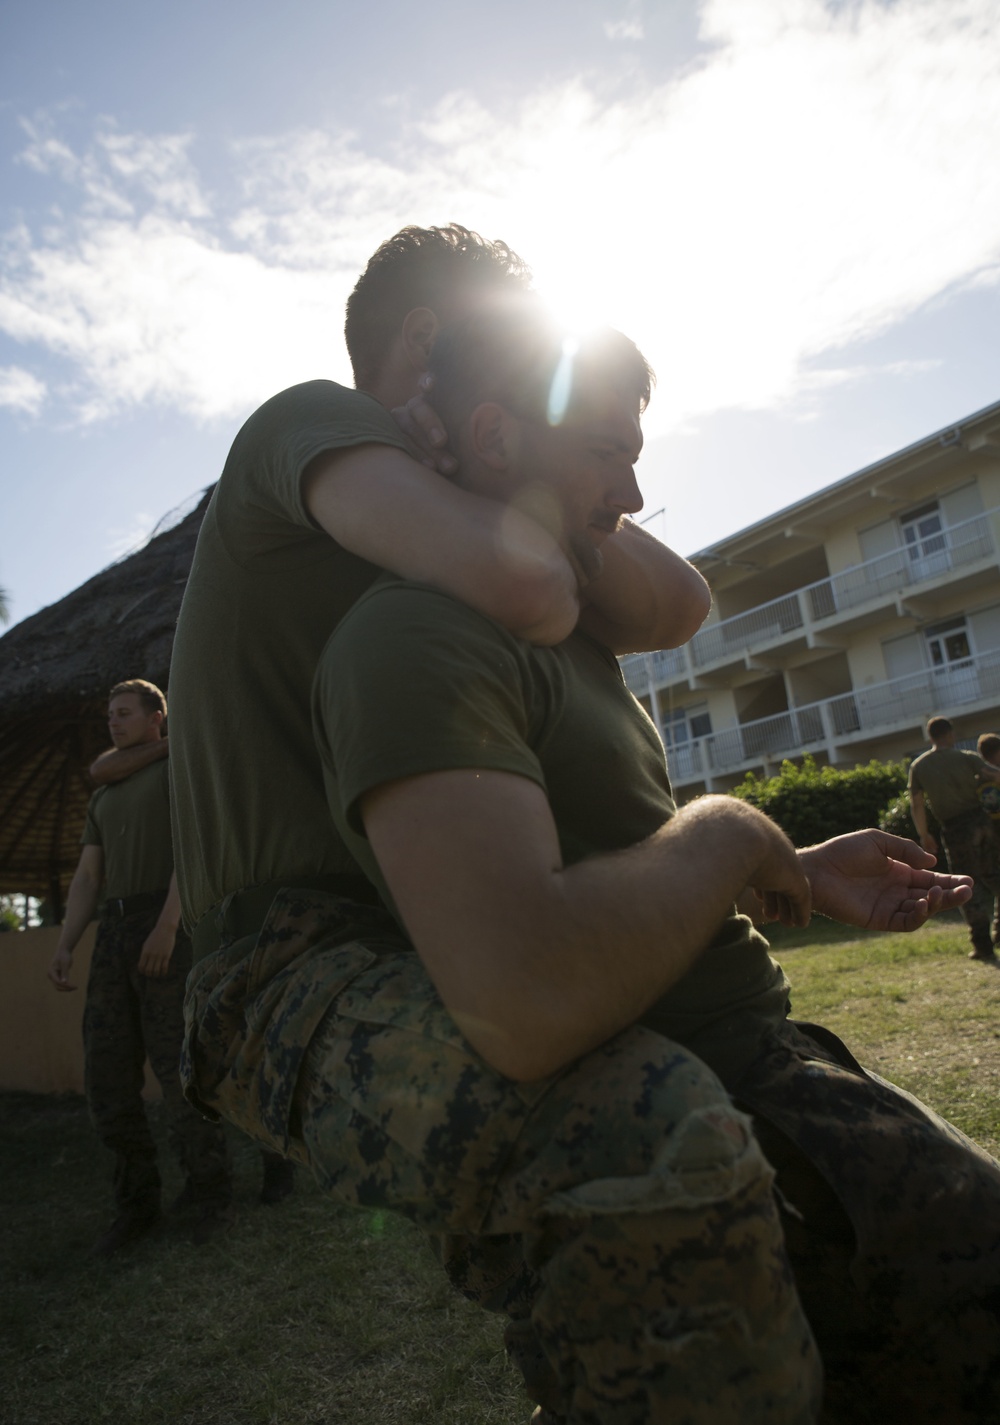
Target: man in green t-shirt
524,1085
512,805
135,990
951,779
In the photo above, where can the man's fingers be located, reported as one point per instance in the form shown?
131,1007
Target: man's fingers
901,848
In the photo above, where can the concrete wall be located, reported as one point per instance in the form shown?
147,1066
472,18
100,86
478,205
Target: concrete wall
41,1038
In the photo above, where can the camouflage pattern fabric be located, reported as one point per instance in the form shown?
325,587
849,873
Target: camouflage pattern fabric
971,847
892,1220
650,1251
127,1017
892,1225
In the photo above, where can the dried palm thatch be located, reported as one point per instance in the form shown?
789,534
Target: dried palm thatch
56,669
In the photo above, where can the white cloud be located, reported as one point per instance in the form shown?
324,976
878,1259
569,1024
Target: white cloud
21,391
630,26
819,175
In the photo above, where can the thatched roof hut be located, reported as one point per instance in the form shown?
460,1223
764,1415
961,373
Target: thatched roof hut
55,672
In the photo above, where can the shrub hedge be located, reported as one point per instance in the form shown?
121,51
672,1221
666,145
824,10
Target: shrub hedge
810,803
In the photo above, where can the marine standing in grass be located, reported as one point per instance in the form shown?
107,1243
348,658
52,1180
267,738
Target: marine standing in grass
988,747
135,992
951,779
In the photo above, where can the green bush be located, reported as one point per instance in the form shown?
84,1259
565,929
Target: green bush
810,803
897,819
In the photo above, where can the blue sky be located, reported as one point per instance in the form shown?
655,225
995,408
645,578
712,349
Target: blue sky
793,206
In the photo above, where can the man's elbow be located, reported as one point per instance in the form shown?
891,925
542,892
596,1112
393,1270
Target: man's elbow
543,605
519,1052
690,612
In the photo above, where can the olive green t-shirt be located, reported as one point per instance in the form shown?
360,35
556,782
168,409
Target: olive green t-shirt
414,682
130,822
266,588
949,778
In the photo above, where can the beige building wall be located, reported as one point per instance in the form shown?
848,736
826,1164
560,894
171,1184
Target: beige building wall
41,1029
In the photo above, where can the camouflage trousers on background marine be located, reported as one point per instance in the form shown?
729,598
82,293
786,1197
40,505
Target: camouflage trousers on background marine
127,1017
971,847
640,1203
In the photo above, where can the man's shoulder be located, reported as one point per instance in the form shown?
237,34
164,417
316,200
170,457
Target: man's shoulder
320,394
315,405
412,627
395,601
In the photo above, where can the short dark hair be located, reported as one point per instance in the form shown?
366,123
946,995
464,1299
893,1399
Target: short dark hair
422,267
988,745
519,357
151,697
938,727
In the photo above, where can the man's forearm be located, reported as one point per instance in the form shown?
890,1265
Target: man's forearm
118,763
385,507
646,596
918,812
81,903
540,963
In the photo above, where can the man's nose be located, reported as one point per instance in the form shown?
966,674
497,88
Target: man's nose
627,495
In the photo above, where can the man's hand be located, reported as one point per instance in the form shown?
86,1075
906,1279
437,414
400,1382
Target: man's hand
780,882
156,951
423,428
59,969
879,882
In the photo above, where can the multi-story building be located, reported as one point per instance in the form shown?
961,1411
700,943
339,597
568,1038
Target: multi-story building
840,624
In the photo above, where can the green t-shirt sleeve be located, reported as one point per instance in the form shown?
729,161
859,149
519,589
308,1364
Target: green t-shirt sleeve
91,832
259,507
413,682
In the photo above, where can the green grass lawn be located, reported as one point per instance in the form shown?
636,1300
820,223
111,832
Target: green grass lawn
309,1314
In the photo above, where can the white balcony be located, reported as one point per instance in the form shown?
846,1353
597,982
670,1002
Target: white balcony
955,549
835,723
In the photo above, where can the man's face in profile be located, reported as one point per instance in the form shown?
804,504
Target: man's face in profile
578,477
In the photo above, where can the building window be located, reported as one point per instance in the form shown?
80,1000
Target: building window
949,651
682,725
924,540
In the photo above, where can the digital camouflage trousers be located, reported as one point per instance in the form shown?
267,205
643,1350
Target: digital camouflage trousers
620,1214
971,846
622,1208
127,1017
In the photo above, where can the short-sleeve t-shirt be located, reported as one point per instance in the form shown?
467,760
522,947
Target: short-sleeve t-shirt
415,682
266,588
130,822
949,778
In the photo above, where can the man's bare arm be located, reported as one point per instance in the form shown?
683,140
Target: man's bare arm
84,891
918,811
540,963
158,947
388,508
645,597
120,762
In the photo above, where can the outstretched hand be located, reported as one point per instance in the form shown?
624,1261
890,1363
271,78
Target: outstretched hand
879,882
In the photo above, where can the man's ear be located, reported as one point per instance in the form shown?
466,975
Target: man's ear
494,435
419,333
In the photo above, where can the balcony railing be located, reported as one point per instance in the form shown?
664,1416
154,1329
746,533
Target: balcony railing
848,717
955,547
666,665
